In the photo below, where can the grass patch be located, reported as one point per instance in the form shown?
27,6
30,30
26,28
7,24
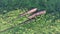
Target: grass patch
43,24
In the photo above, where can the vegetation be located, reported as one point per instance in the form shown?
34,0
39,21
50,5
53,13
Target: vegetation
48,23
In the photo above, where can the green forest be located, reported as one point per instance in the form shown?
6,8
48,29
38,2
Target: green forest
48,23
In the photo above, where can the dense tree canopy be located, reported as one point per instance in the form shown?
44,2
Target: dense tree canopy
8,5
